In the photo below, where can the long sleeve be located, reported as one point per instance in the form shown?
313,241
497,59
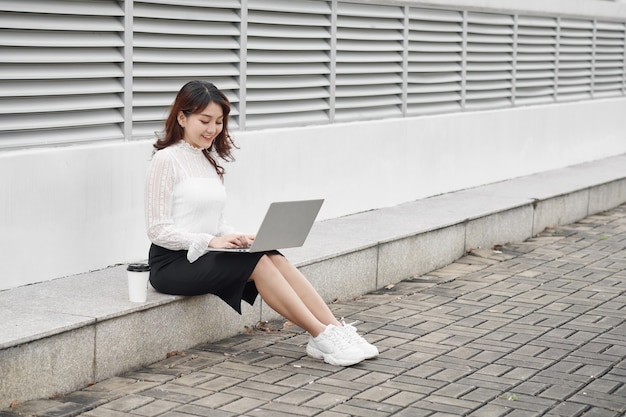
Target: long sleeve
160,224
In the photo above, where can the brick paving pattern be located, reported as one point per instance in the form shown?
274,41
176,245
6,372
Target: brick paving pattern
524,329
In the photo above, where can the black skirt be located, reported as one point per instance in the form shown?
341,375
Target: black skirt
225,274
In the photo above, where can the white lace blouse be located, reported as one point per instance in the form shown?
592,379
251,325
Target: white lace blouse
184,201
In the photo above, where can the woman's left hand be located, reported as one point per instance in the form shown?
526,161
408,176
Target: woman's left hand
233,240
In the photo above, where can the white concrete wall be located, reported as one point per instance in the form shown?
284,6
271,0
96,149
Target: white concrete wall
73,209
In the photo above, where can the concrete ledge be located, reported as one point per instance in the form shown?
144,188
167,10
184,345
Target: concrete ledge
61,335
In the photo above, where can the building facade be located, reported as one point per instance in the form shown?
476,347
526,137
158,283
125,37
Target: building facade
366,103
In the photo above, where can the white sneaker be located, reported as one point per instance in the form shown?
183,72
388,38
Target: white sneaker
333,346
370,351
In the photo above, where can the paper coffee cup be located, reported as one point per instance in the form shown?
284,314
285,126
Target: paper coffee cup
138,277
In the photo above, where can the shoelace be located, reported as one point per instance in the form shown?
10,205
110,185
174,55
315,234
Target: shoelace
339,339
344,324
351,332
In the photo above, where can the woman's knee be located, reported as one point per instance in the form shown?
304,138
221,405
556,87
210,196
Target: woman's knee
264,267
276,259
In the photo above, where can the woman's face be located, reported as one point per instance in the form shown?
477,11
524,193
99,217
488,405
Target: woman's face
203,127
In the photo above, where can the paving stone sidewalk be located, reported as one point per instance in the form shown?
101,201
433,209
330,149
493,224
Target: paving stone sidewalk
526,329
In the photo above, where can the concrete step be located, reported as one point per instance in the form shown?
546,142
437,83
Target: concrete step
61,335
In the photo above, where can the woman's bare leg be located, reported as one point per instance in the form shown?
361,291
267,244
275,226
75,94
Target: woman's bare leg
289,293
305,291
285,300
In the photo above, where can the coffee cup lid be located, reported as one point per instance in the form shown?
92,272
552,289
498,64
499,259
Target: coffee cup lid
138,267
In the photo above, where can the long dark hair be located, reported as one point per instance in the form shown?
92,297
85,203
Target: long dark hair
192,99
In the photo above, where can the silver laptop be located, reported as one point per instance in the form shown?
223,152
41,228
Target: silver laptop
286,225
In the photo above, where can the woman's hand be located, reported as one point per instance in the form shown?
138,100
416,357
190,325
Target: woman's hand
231,241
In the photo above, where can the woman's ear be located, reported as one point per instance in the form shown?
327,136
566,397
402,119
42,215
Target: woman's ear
181,118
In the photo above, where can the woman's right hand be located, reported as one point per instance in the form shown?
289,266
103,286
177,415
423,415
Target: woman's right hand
231,241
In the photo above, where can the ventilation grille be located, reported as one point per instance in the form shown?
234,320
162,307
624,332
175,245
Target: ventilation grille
535,69
173,44
435,61
288,63
369,61
608,74
489,66
61,71
73,71
575,63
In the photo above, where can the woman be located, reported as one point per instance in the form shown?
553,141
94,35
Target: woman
185,198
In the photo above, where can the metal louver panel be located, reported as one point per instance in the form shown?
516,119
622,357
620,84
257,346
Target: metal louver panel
435,61
536,60
609,59
575,59
175,42
64,77
369,61
60,72
489,78
288,62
